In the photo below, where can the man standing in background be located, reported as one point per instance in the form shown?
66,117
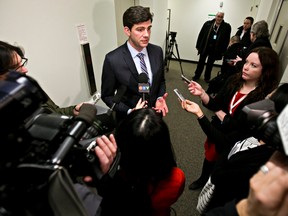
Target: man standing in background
244,32
212,42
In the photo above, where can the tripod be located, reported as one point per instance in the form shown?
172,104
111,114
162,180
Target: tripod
170,53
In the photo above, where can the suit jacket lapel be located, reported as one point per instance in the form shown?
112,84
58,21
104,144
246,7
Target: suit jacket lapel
152,59
129,61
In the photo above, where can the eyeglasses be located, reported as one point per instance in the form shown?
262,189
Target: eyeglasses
24,62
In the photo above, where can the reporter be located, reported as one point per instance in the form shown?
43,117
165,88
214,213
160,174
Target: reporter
148,181
258,78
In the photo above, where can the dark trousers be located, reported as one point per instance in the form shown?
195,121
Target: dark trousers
201,64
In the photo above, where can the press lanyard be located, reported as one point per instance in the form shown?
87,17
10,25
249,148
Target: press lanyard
233,104
215,29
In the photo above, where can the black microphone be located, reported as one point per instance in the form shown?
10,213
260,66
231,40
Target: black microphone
117,98
87,114
143,85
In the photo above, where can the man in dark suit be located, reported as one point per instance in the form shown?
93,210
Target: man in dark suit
122,66
212,42
244,32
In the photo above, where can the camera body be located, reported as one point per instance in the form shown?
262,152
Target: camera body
260,118
31,136
173,35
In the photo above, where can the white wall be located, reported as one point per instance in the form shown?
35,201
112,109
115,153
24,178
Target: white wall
47,30
188,16
159,25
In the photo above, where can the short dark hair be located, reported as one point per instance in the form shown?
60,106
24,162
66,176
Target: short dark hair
17,49
6,59
136,14
251,19
7,53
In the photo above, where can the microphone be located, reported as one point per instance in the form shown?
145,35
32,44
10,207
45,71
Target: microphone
143,85
87,114
117,98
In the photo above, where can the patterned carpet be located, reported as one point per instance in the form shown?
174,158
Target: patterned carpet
186,135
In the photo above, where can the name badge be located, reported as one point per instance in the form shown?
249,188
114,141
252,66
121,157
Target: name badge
214,37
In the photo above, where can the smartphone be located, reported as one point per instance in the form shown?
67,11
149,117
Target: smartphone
229,60
179,95
185,79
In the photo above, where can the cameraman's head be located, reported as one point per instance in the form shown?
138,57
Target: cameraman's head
11,59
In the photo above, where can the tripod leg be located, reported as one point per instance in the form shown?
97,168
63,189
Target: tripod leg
176,45
169,55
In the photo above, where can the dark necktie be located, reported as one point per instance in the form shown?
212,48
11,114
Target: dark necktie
142,64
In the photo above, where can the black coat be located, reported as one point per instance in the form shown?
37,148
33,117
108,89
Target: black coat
246,41
222,40
231,177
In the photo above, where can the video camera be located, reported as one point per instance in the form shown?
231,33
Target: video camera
173,36
262,121
34,142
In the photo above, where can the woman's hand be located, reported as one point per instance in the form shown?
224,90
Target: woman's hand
192,108
140,104
195,88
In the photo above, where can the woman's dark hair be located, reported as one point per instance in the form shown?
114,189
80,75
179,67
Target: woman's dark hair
135,15
144,142
268,81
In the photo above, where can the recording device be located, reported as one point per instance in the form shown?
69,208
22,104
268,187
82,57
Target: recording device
173,36
143,85
87,114
260,118
117,98
185,79
95,98
105,122
179,95
32,137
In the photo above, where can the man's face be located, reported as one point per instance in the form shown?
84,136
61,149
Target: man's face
247,24
219,18
20,64
139,34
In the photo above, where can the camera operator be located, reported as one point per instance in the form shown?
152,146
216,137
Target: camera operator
16,145
18,63
105,151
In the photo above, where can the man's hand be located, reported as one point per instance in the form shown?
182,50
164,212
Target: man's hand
105,150
161,105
